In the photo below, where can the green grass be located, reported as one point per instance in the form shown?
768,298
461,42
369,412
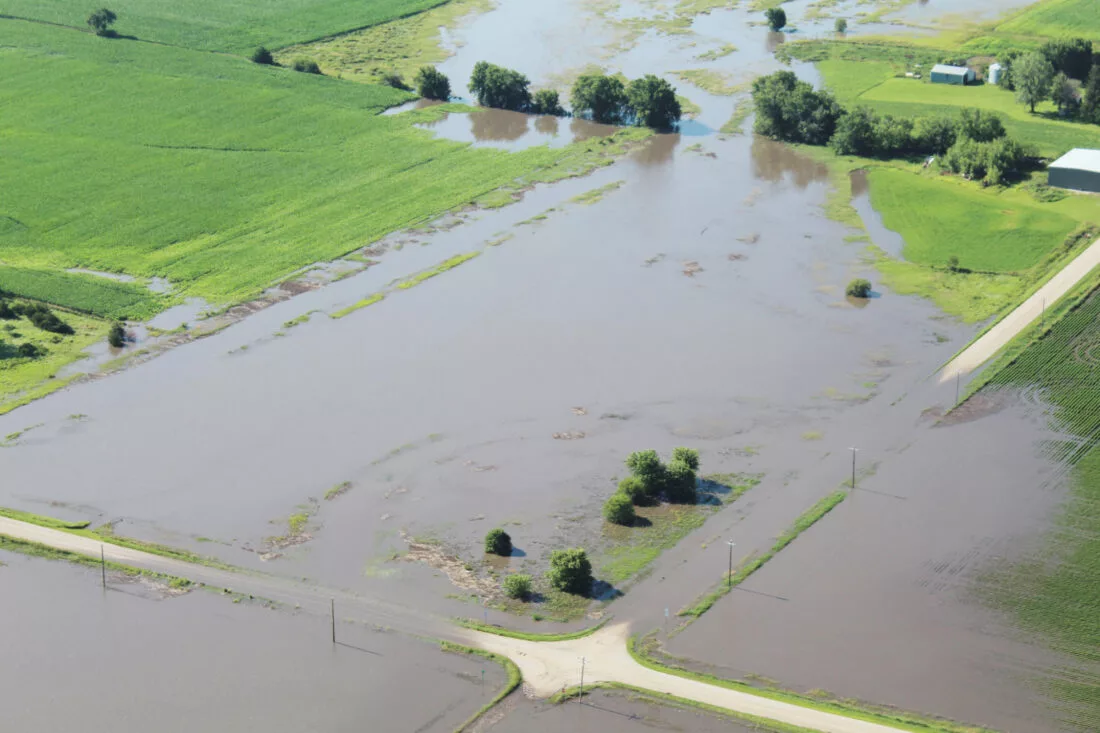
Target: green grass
370,300
596,194
197,167
34,549
716,53
985,231
41,520
1055,18
236,27
661,527
709,80
528,636
514,679
98,296
439,269
806,520
741,111
643,652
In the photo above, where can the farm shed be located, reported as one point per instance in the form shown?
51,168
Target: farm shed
944,74
1078,169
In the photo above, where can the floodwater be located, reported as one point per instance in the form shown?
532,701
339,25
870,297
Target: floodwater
500,128
700,302
130,660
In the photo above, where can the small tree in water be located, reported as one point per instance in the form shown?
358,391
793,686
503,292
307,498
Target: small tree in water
431,83
653,102
859,288
619,509
841,25
571,571
777,19
497,542
517,586
100,21
116,337
546,102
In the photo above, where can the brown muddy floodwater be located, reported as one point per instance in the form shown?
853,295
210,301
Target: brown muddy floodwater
699,302
500,128
130,660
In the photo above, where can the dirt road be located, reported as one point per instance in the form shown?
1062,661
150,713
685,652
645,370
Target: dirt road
997,337
547,666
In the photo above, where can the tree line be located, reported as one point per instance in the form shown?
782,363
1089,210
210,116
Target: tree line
973,144
1065,71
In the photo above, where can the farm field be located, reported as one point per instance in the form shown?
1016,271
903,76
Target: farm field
98,296
234,27
1055,18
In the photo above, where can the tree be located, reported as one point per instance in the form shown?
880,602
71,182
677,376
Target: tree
518,586
979,126
1007,78
262,56
777,19
497,542
6,312
1071,56
653,102
495,86
790,110
632,488
1090,110
100,21
393,79
855,133
546,102
953,263
619,509
646,466
116,337
934,135
680,483
841,25
305,65
570,571
30,351
601,97
431,83
1064,94
990,162
690,456
1032,75
859,288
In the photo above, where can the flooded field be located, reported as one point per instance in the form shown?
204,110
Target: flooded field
690,294
130,659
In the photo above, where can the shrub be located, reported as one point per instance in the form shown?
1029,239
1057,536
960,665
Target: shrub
495,86
547,102
990,162
6,313
680,483
43,318
953,263
570,571
517,586
100,21
601,97
431,83
262,56
933,135
305,65
619,509
690,456
393,79
859,288
116,337
653,102
979,126
841,25
30,351
777,19
634,489
647,467
497,542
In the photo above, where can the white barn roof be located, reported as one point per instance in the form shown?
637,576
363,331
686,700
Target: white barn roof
945,69
1082,159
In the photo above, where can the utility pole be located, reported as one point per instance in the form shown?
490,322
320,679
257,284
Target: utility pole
102,566
729,574
854,451
581,695
958,377
332,609
1044,321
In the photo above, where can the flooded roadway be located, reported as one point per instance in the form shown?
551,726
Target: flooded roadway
700,303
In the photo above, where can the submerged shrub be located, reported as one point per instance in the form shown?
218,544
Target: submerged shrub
859,288
646,466
634,489
680,483
517,586
619,509
571,571
497,542
431,83
690,456
116,337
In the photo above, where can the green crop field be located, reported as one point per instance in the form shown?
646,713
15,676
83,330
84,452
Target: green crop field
1055,593
985,231
96,295
236,26
1055,18
218,174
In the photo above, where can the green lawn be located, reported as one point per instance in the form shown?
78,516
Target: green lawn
215,173
985,230
1055,18
236,26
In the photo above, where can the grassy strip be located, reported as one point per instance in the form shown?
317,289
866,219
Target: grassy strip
710,81
370,300
804,522
741,111
640,651
106,534
514,678
437,270
34,549
757,723
528,636
596,194
98,296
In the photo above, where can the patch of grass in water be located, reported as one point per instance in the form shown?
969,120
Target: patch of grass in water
437,270
596,194
370,300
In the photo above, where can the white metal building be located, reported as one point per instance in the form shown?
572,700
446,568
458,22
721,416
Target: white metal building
1079,169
